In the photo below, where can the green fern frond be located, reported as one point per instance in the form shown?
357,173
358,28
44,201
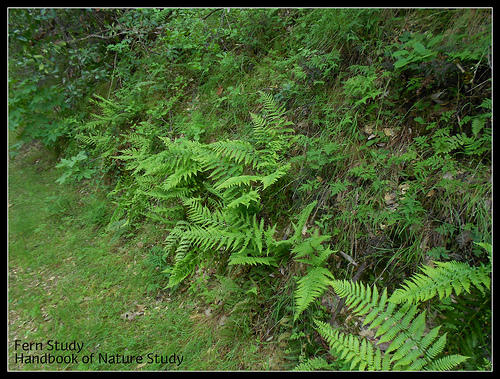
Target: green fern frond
403,325
361,355
447,363
237,151
314,364
182,269
270,179
303,216
238,181
270,106
442,281
304,252
360,297
246,199
310,287
240,259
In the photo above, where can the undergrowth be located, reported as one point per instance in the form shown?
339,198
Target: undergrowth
278,151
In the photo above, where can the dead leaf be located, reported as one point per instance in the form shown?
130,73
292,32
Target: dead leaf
388,132
436,96
423,244
219,90
304,230
367,333
222,321
140,308
404,187
129,316
384,345
432,192
463,238
390,198
368,129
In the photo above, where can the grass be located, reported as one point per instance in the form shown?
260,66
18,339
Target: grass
69,281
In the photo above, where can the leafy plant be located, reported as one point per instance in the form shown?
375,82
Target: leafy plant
259,142
220,186
441,281
75,168
404,326
310,251
364,85
414,51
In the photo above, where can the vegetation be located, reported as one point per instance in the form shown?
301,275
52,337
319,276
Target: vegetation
289,161
70,281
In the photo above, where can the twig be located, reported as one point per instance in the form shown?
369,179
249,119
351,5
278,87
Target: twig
349,258
479,85
97,36
208,15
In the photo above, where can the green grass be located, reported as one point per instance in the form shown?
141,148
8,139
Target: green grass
69,281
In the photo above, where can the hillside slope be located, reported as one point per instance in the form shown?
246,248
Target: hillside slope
275,150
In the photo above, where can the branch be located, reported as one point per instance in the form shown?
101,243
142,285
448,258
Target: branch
97,36
208,15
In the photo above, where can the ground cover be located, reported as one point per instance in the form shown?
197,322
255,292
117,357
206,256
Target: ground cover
70,282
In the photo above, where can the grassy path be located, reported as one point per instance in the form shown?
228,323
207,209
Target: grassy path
70,283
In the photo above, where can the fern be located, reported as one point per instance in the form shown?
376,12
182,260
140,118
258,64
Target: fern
219,187
404,326
312,285
270,135
236,151
362,355
304,215
441,281
398,319
316,363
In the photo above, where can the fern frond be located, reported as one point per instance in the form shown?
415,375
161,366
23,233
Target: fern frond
237,151
270,179
314,364
360,297
447,363
303,216
361,355
404,325
240,259
238,181
270,107
310,287
182,269
245,199
308,247
441,281
437,347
